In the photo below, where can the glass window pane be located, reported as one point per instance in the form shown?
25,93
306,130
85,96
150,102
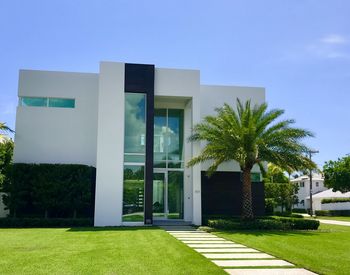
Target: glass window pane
175,164
134,158
34,101
159,134
158,195
61,102
135,123
175,132
133,193
255,177
175,194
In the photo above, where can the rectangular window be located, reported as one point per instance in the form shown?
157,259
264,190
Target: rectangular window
317,184
133,193
61,102
134,157
255,177
33,101
302,184
47,102
168,138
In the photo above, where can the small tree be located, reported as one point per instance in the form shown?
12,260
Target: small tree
337,174
281,194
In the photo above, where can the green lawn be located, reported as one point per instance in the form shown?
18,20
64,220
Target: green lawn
345,219
98,251
325,251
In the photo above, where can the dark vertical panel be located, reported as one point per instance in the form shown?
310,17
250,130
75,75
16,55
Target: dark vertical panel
222,194
139,78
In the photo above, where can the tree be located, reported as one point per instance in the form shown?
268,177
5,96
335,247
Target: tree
6,152
275,174
4,129
282,194
337,174
250,137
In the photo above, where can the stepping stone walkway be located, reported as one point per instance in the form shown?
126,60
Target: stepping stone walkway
234,258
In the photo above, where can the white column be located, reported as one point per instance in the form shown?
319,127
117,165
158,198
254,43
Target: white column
188,186
196,170
110,145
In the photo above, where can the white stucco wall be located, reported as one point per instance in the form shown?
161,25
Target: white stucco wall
336,206
110,145
57,135
214,96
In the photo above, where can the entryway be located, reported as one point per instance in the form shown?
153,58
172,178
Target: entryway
168,195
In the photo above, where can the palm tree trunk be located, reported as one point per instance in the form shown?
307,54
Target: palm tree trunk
247,209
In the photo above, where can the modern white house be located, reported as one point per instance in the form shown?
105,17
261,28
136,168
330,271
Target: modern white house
131,122
303,182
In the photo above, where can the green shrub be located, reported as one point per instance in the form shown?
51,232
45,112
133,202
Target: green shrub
270,204
50,190
332,213
39,222
271,223
335,200
299,210
288,214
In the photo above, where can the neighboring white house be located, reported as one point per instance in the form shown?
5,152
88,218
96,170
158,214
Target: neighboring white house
303,182
329,194
130,119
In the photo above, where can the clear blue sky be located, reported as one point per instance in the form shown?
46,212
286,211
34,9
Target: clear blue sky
298,50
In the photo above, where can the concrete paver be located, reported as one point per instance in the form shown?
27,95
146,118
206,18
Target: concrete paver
252,263
207,242
226,250
270,271
224,245
238,256
231,256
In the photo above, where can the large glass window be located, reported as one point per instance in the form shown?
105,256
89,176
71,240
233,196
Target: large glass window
133,193
134,157
135,128
168,138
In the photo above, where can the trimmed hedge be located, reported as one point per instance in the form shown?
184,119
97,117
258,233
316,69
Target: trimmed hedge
37,222
50,191
299,210
345,213
335,200
288,214
272,223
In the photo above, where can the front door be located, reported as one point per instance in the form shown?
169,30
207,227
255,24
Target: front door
168,195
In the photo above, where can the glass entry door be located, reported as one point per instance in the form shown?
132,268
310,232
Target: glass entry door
168,195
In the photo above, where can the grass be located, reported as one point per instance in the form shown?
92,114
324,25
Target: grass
336,218
325,251
98,251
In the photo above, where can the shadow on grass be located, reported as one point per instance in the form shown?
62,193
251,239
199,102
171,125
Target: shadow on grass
112,228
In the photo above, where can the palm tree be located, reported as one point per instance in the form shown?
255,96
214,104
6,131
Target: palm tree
251,137
4,129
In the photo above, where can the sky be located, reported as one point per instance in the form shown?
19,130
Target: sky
299,50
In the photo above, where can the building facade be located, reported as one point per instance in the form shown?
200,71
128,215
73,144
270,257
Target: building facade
303,183
131,122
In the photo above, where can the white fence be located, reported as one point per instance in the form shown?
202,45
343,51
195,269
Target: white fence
336,206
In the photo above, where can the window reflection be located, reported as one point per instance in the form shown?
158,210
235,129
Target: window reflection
135,123
168,138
